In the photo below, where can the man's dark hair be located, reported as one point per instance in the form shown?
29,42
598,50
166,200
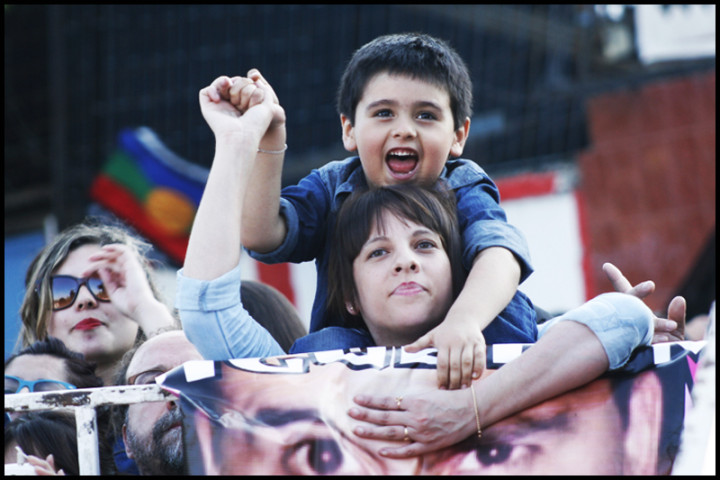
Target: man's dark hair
80,372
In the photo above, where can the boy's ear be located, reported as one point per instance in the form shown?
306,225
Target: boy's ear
348,134
461,136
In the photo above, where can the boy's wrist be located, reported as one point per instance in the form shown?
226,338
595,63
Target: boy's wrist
275,137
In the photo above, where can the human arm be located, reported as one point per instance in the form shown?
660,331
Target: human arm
491,284
439,418
125,281
209,283
670,329
264,228
238,130
216,322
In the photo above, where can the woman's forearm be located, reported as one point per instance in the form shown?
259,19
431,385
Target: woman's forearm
214,245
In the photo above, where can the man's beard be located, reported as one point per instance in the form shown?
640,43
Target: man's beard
163,454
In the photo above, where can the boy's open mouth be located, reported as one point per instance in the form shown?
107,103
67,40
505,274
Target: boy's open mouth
401,162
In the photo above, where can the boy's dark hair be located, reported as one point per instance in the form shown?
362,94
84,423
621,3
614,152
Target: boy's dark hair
81,373
433,207
416,55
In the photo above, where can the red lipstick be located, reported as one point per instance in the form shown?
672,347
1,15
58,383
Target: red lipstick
88,324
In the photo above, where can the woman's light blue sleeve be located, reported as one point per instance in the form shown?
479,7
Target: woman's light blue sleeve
215,321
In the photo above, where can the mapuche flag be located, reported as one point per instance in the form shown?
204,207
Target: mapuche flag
152,189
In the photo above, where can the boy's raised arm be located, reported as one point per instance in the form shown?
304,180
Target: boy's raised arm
264,228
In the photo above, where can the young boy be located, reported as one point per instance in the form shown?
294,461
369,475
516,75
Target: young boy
405,105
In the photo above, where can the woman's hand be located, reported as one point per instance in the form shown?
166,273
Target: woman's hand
424,421
128,287
44,467
244,105
670,329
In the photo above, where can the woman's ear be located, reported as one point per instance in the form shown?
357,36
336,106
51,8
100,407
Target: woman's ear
461,136
351,308
348,134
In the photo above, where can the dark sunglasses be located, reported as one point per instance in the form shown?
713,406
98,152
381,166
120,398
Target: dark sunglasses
65,289
15,384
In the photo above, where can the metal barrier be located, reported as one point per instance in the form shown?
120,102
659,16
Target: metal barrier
84,402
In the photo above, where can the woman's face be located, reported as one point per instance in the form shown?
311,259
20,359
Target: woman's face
96,329
403,281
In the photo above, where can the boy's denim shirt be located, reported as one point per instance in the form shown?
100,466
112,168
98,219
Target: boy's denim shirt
310,209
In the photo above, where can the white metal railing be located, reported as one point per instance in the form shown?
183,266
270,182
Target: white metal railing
84,401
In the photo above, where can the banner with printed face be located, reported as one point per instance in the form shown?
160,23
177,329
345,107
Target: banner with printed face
289,416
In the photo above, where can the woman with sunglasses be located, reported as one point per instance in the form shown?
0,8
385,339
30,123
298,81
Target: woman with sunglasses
91,287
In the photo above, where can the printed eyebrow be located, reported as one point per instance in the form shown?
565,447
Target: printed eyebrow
528,426
276,417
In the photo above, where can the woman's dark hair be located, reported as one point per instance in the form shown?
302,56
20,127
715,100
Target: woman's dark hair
415,55
433,207
44,433
271,309
80,372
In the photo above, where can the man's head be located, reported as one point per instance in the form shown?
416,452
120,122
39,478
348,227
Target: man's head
607,427
414,55
153,431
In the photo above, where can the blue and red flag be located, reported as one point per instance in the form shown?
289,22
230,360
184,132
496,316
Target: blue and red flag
152,189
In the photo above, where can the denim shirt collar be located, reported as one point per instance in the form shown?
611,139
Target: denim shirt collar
354,178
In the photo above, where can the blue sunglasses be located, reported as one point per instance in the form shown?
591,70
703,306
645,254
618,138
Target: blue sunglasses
15,384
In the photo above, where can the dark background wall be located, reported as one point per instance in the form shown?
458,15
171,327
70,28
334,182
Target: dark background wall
549,89
75,75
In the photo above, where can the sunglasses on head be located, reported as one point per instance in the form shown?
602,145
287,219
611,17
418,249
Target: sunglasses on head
65,289
15,384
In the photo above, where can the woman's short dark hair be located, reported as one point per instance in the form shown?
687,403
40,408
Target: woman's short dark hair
433,207
415,55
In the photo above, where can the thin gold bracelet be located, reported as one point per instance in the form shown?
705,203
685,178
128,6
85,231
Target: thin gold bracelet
477,416
273,152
